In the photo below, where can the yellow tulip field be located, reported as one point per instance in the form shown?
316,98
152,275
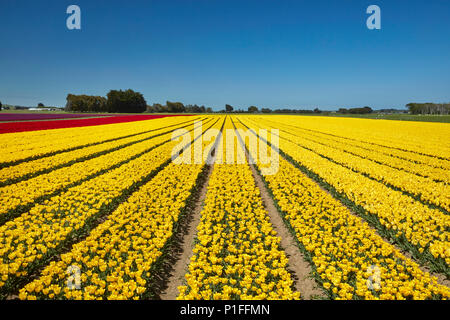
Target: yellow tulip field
102,212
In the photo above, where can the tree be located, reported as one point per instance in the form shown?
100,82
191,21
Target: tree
252,109
209,110
156,107
429,108
414,108
176,107
0,106
364,110
228,108
195,108
127,101
303,111
40,105
84,103
266,110
316,110
97,104
367,109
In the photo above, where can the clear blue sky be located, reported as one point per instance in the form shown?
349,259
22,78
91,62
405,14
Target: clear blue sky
264,53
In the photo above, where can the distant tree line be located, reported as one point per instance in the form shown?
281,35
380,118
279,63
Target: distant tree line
11,107
364,110
390,110
254,109
117,101
230,108
177,107
129,101
429,108
85,103
293,111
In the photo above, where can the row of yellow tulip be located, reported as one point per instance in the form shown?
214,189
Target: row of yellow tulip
425,189
396,136
424,228
35,166
350,260
237,255
371,152
423,138
24,145
27,191
40,232
115,261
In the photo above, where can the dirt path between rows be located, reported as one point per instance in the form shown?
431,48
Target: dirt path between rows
299,268
187,245
441,279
